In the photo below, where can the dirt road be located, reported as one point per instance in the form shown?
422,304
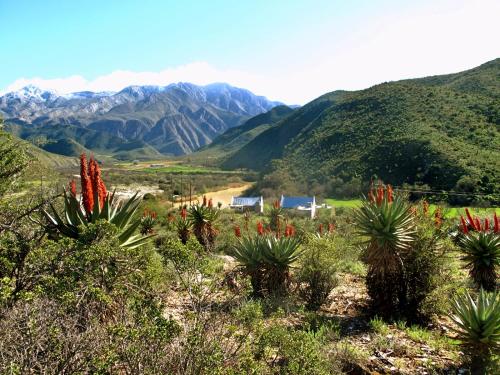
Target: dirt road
224,195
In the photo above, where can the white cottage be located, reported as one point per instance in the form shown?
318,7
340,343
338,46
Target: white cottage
248,203
305,204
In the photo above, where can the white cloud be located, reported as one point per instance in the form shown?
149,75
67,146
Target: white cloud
200,73
440,37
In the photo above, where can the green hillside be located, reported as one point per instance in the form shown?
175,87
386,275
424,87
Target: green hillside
438,131
69,140
235,138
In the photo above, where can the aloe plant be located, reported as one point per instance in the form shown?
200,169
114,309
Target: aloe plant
148,222
276,216
482,256
96,204
387,223
478,323
267,260
202,218
183,226
480,245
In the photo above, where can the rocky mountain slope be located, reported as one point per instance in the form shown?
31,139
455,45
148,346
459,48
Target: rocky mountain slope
171,120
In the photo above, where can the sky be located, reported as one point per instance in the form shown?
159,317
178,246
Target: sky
292,51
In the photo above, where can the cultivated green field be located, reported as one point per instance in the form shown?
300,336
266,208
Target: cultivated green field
449,212
186,169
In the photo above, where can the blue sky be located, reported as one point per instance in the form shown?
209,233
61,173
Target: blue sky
287,50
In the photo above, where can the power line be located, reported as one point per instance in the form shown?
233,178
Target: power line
444,192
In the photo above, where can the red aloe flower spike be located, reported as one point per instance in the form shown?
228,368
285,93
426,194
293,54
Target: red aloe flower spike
260,228
425,206
471,219
331,228
289,231
72,188
320,229
87,193
276,204
478,224
496,227
465,230
210,203
380,195
204,201
486,225
183,213
438,217
390,197
237,231
97,183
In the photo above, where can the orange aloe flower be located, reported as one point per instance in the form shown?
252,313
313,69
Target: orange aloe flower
425,206
471,219
331,228
380,195
260,228
72,188
87,193
97,182
389,193
237,231
465,229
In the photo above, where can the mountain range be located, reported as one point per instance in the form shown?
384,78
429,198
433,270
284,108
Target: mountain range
138,121
439,132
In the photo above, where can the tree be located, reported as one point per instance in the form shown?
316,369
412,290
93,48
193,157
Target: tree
13,160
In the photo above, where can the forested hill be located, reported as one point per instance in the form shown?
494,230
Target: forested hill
440,131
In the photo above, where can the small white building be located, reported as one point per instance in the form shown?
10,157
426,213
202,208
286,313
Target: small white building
248,203
304,204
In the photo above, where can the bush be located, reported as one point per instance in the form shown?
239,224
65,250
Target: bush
292,351
317,273
429,272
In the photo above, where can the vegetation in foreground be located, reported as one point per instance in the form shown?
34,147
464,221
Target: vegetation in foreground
210,291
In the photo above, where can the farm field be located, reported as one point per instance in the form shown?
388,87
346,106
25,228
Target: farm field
448,212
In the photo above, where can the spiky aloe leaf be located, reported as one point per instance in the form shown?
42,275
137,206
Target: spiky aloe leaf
281,252
121,215
481,252
389,224
249,252
478,320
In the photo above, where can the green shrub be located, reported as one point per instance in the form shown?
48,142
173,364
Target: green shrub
316,274
288,351
429,272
